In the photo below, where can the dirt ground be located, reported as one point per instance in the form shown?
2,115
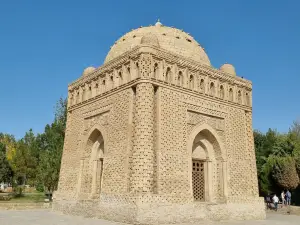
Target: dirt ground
47,217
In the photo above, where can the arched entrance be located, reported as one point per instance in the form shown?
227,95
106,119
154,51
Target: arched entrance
92,165
96,162
208,166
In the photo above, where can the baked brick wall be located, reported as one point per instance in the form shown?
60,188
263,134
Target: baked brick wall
112,115
234,127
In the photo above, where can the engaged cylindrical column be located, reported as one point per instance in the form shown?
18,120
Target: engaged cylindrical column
80,176
142,171
94,178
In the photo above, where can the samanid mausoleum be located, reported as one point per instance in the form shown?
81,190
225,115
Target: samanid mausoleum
157,135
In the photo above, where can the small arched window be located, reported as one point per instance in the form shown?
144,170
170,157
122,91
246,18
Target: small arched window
180,79
71,99
103,87
212,89
191,82
230,94
137,69
239,97
222,93
155,70
248,99
96,90
120,78
89,94
83,94
128,74
111,81
77,97
202,85
168,76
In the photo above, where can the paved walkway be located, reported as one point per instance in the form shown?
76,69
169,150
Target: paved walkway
46,217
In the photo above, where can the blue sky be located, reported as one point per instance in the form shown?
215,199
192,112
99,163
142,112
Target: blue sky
44,45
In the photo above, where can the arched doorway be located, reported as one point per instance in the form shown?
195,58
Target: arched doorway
97,165
92,170
208,166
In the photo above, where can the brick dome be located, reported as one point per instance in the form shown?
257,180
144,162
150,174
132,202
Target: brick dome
228,68
168,38
88,70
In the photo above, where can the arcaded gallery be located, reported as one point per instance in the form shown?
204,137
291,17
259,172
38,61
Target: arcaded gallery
157,135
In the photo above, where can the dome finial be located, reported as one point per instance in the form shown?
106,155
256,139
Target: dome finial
158,23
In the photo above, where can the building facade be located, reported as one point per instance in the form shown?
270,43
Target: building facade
157,135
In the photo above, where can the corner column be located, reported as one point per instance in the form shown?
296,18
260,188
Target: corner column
80,177
143,156
94,178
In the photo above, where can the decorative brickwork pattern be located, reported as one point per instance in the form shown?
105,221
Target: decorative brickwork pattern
173,161
143,147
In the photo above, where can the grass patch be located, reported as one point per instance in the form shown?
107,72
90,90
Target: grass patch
29,198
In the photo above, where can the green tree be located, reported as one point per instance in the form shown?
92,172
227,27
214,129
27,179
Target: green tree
6,172
265,180
51,143
282,147
277,160
10,142
25,162
284,173
295,128
259,141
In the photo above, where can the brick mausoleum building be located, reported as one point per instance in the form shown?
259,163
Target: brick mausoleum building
157,135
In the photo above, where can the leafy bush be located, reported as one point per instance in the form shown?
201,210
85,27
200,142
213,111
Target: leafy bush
40,187
284,173
18,191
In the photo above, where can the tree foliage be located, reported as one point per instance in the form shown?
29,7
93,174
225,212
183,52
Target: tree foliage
25,160
6,172
284,173
35,159
10,144
51,146
278,159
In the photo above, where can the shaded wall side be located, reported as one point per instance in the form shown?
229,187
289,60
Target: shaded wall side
116,166
111,116
69,170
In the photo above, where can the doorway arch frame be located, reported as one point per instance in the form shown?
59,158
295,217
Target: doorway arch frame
223,157
83,155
